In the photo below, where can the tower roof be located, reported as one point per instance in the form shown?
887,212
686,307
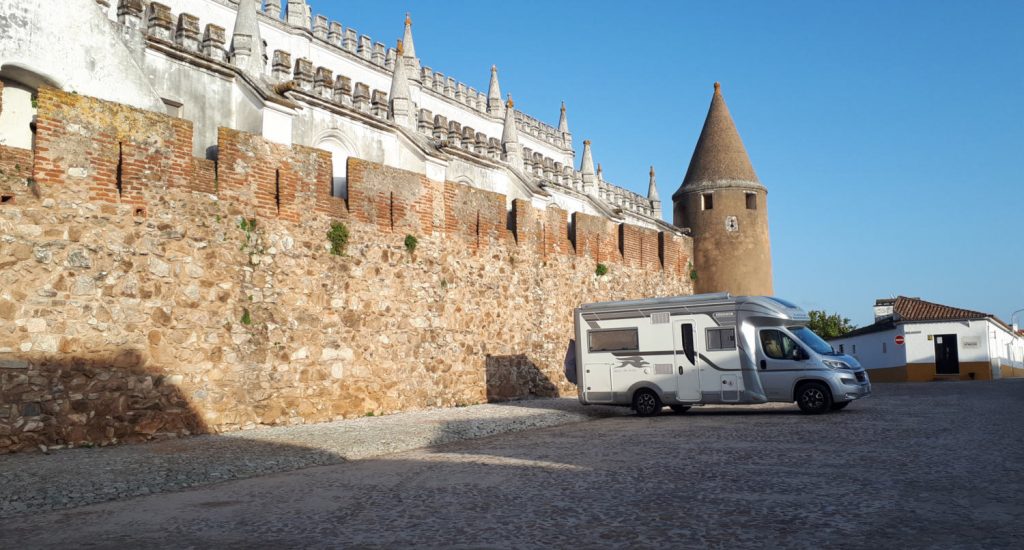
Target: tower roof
719,155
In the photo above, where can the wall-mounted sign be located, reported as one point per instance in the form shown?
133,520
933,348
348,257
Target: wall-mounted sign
929,337
899,340
970,343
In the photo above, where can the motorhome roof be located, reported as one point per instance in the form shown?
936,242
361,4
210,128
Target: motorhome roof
661,302
782,306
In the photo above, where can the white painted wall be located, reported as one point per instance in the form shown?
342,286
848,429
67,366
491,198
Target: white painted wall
75,47
1005,348
977,341
971,336
869,350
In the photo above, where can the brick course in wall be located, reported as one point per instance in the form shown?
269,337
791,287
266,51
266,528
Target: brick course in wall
116,327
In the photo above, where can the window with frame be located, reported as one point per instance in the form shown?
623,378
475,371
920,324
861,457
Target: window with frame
688,348
751,201
625,339
777,345
721,338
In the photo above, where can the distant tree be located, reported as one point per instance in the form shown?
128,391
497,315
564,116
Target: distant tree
829,325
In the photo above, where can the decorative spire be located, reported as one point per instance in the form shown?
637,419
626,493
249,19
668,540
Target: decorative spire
652,192
587,166
410,48
510,136
246,43
494,105
563,123
400,101
600,172
587,170
719,154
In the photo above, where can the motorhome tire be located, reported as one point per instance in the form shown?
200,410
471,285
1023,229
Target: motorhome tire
814,398
840,406
679,408
646,403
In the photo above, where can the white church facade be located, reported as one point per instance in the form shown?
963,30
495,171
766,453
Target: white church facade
273,69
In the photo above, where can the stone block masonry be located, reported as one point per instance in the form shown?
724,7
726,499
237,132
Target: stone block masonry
146,294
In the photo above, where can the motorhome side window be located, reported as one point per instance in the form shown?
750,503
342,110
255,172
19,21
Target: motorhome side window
778,345
721,338
625,339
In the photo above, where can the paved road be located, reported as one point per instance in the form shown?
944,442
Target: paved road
916,466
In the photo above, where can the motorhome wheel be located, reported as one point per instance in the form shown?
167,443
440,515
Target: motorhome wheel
679,408
814,398
646,403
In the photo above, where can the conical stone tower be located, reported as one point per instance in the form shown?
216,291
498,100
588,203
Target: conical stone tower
726,209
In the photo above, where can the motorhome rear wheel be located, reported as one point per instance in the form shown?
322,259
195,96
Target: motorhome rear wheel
646,403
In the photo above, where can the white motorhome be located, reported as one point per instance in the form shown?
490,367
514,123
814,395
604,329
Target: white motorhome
709,348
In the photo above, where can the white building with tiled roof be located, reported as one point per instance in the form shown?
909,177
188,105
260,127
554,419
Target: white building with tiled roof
913,340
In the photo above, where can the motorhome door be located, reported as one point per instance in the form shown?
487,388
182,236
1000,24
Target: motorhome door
687,371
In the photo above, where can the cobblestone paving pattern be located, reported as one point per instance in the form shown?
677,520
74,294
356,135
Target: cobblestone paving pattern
32,483
916,466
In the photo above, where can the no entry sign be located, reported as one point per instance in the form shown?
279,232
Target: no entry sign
899,340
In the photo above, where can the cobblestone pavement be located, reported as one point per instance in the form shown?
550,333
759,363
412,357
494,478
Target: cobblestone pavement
31,483
935,465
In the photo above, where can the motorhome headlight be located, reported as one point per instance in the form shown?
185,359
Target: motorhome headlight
836,365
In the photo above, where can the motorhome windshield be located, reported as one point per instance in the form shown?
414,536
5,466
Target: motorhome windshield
815,342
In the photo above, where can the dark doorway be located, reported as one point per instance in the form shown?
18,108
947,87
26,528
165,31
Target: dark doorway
947,358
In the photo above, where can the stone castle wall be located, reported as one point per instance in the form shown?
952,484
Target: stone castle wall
147,294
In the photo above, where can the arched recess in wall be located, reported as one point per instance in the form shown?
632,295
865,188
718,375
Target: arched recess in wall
18,110
340,148
465,180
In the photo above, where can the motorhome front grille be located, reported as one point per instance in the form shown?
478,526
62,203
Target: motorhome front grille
861,377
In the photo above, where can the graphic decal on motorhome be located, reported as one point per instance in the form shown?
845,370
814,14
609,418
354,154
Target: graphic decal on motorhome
633,361
712,363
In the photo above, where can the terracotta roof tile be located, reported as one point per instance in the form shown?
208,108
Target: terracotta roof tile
915,309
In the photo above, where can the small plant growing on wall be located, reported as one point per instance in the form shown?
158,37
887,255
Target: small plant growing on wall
338,236
601,270
246,317
247,225
693,272
410,243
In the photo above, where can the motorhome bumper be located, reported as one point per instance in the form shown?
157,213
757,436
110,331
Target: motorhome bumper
863,391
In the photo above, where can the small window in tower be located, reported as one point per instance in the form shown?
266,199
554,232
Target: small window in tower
707,201
751,201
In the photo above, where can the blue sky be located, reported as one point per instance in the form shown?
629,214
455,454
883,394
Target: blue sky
890,134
